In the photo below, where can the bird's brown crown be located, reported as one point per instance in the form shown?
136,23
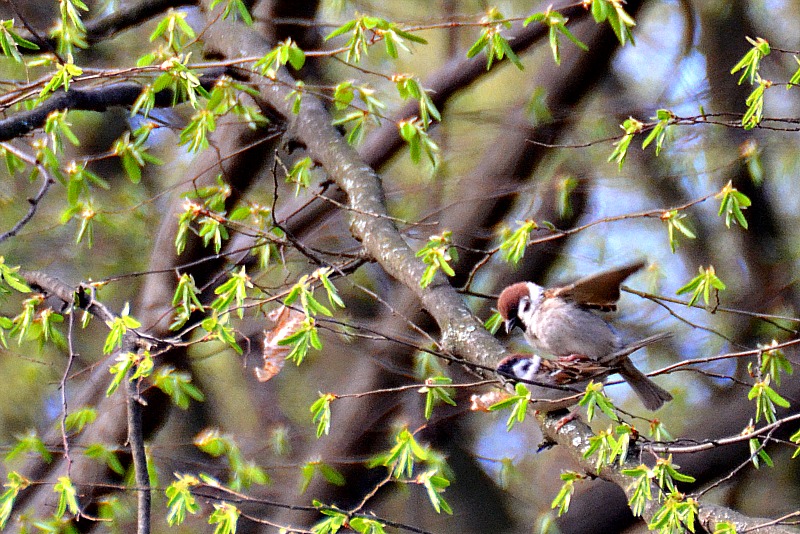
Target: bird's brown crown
508,302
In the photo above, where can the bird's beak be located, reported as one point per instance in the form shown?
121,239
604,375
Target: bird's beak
511,323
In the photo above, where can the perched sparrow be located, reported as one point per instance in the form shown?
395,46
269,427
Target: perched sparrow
560,320
559,383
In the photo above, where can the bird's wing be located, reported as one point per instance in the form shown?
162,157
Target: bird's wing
599,290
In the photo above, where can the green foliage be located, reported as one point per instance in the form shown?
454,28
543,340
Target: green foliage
676,515
659,432
674,220
514,243
10,41
365,29
10,279
335,520
659,131
435,485
564,497
296,95
234,7
612,11
78,180
366,525
755,105
435,393
133,154
607,447
177,385
232,293
640,489
414,133
665,474
15,484
180,499
401,459
492,42
437,254
285,52
595,397
565,188
759,454
219,328
343,95
300,174
795,438
557,25
105,455
795,79
181,80
185,301
751,154
225,515
732,202
321,413
64,74
29,443
243,473
78,419
518,404
631,127
119,327
195,133
331,475
125,362
750,62
67,497
70,33
766,399
494,322
87,216
774,362
57,128
702,284
724,527
409,87
174,28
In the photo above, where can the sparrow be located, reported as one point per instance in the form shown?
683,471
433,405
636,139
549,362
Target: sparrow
562,321
559,383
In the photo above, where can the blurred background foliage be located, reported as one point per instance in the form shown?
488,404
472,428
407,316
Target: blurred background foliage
681,62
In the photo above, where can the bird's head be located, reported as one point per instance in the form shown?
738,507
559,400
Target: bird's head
517,303
520,366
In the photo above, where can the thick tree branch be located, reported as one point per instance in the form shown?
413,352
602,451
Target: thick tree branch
575,436
462,333
90,99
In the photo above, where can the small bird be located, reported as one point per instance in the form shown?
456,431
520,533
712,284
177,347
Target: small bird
561,321
559,383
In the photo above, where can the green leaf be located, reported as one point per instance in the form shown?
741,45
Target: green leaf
437,254
67,497
702,284
321,413
225,516
732,202
631,127
180,499
15,484
514,243
78,419
750,62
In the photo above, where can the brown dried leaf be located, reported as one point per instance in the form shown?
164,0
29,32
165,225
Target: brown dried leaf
287,321
481,403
